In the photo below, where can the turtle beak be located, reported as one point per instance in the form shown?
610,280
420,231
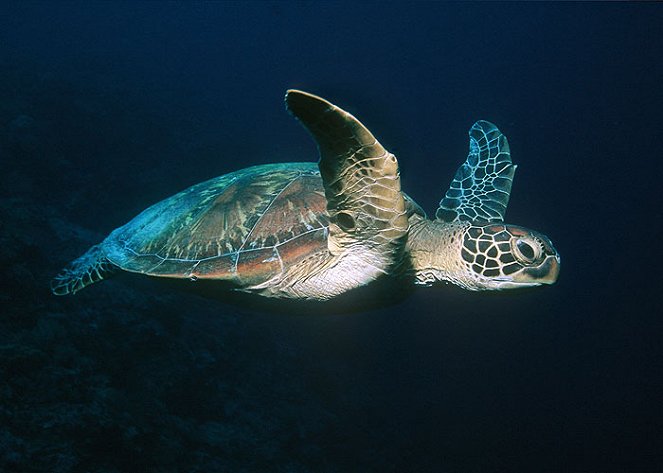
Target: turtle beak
546,273
550,270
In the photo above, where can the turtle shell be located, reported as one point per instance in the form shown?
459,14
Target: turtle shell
246,227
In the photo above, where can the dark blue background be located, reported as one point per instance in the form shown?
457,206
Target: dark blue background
108,107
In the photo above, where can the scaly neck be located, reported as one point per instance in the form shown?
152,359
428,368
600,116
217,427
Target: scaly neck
434,247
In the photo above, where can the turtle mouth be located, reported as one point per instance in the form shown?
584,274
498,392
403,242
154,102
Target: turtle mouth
547,272
509,283
544,274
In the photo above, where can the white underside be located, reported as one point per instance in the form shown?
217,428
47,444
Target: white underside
354,268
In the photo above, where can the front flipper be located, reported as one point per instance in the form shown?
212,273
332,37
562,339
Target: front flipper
361,179
481,187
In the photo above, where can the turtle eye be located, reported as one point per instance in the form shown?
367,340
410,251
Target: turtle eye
526,251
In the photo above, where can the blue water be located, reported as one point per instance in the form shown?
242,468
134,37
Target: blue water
109,107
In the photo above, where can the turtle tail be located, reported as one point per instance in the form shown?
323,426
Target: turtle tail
93,266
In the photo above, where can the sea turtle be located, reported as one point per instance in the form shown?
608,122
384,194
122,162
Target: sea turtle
313,232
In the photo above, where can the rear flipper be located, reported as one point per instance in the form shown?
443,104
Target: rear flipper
88,269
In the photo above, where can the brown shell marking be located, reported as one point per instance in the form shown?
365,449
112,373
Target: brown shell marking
245,226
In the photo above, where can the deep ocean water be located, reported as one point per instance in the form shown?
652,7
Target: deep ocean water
108,107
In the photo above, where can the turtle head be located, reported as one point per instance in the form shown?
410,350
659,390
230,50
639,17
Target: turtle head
481,256
500,256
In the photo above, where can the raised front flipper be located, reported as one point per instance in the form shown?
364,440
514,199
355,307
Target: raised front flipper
481,187
361,180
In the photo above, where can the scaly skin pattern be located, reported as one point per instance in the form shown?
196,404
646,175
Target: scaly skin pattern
434,248
480,256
